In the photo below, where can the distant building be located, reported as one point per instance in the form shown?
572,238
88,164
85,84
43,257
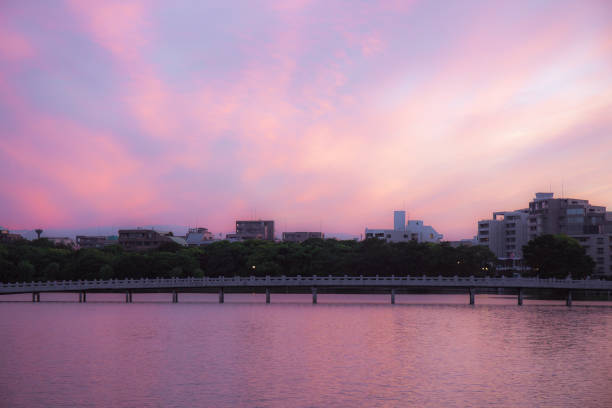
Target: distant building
301,236
198,236
97,241
145,239
6,236
253,230
505,234
590,224
414,230
399,220
463,242
570,216
69,242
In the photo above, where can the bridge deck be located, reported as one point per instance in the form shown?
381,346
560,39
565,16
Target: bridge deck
393,282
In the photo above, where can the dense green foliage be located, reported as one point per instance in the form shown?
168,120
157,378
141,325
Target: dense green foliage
41,260
557,256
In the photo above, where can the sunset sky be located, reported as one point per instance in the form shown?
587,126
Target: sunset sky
312,113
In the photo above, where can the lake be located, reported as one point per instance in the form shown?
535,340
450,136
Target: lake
346,351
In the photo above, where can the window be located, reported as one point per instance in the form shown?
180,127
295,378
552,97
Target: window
600,251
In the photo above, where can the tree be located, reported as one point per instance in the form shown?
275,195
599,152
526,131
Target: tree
38,232
557,256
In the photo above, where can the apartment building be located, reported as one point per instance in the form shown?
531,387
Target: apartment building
590,224
146,239
505,233
260,229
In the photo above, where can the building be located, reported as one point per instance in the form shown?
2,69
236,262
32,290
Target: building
591,225
464,242
69,242
569,216
301,236
414,230
505,234
399,220
146,239
198,236
6,236
96,241
253,230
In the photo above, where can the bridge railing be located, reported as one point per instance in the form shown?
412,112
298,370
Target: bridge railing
300,281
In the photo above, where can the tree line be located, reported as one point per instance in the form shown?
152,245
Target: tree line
40,260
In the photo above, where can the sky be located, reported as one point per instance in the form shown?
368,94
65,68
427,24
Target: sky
317,114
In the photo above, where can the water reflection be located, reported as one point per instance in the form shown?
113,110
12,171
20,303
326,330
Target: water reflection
349,350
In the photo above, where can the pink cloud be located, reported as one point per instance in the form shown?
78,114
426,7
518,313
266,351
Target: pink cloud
13,45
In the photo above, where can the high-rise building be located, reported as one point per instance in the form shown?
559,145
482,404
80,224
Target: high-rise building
570,216
590,224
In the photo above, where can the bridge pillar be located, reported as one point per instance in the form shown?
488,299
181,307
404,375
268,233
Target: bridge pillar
314,296
80,297
33,296
472,293
520,297
568,299
127,296
174,296
267,295
38,296
84,297
392,296
221,295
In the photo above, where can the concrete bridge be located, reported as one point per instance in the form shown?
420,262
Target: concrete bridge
392,284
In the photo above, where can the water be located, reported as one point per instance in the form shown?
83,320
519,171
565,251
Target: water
349,350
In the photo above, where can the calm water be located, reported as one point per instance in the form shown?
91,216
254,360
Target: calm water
347,351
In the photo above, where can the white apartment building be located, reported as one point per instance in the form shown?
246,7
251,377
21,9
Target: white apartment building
505,234
413,230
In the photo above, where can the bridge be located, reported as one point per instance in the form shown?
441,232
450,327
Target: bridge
391,284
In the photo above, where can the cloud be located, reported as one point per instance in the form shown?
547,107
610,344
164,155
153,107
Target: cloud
308,111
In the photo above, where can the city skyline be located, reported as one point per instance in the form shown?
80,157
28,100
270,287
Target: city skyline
321,116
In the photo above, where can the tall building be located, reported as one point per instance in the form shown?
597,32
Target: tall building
399,220
505,234
590,224
570,216
253,230
301,236
414,230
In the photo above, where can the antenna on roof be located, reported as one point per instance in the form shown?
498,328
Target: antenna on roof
562,189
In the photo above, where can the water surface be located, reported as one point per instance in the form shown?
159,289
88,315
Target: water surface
348,350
